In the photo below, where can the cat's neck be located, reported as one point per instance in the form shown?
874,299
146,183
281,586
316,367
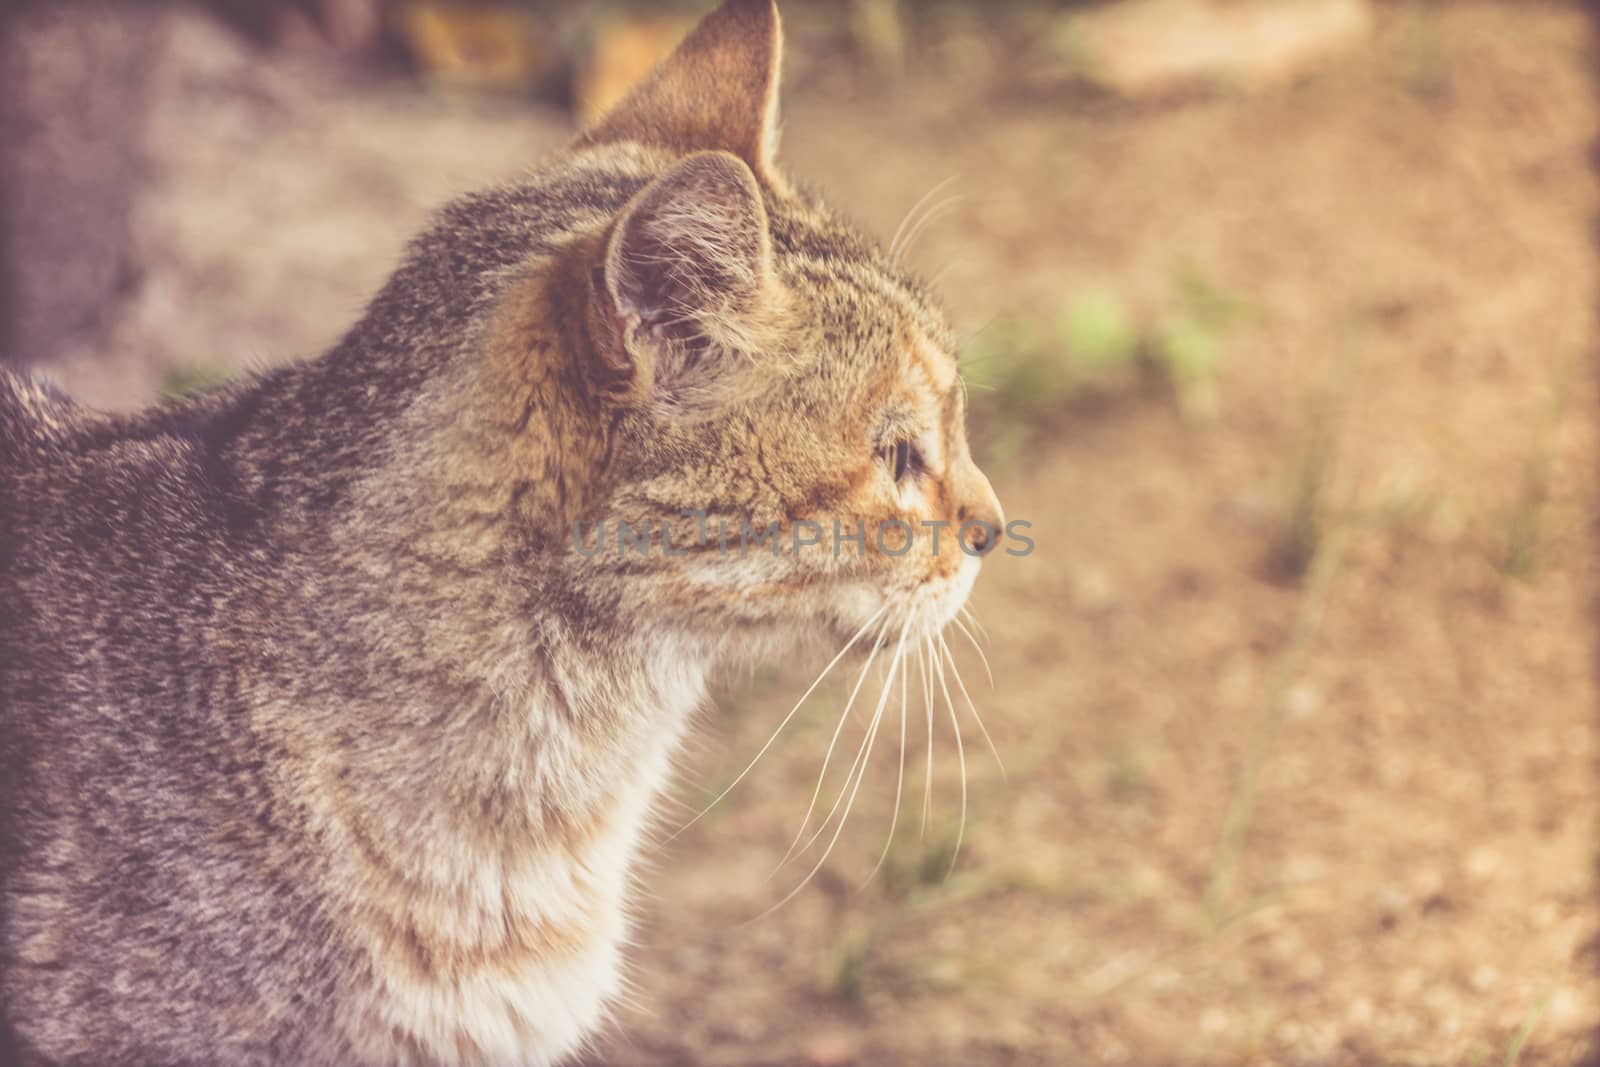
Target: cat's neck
460,785
500,700
492,831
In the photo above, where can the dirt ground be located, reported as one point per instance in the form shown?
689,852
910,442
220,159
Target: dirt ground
1344,818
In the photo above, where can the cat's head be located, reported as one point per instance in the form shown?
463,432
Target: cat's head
766,364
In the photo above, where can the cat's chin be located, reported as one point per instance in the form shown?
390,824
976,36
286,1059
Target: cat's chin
854,608
858,610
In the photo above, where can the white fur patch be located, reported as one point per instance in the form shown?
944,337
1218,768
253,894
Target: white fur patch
534,1009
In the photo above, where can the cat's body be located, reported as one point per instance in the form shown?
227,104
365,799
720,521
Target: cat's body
238,633
319,740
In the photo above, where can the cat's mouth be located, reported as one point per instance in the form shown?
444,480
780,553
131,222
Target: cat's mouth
926,607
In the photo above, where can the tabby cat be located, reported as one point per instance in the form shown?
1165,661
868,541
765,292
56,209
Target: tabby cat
325,738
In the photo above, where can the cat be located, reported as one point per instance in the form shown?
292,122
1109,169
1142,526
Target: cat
325,738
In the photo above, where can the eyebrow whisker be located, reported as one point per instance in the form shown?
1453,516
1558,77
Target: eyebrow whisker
894,242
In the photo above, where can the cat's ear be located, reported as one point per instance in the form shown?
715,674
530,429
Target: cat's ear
685,300
717,91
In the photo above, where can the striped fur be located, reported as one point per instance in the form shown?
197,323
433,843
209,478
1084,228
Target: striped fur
319,741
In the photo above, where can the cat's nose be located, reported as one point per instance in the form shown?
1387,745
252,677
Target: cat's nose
979,515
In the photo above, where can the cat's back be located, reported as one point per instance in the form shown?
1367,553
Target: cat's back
121,729
37,421
106,526
42,438
66,468
49,443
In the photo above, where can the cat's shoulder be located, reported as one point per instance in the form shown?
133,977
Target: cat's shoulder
36,418
55,450
39,421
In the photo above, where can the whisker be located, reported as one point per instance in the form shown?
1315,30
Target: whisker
967,339
785,722
961,755
845,816
970,362
927,219
925,670
864,750
834,740
899,780
894,243
962,685
975,647
971,616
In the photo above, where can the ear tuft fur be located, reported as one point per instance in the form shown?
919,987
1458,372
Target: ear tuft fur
688,282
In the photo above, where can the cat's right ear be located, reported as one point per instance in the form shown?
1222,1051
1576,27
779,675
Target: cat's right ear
684,301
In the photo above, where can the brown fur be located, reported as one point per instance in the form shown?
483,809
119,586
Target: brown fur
319,740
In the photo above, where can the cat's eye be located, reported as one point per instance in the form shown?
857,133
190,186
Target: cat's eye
901,458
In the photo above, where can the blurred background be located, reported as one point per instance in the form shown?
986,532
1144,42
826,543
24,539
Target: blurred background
1279,322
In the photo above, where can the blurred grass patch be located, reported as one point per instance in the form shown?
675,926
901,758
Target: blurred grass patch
1190,339
1307,518
1095,351
920,864
917,890
1524,534
866,961
1519,1040
1310,515
1218,903
188,379
1422,66
1126,777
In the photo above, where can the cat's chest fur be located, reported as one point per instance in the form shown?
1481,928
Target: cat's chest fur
497,940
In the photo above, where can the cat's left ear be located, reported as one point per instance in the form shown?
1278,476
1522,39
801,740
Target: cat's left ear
685,307
717,91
